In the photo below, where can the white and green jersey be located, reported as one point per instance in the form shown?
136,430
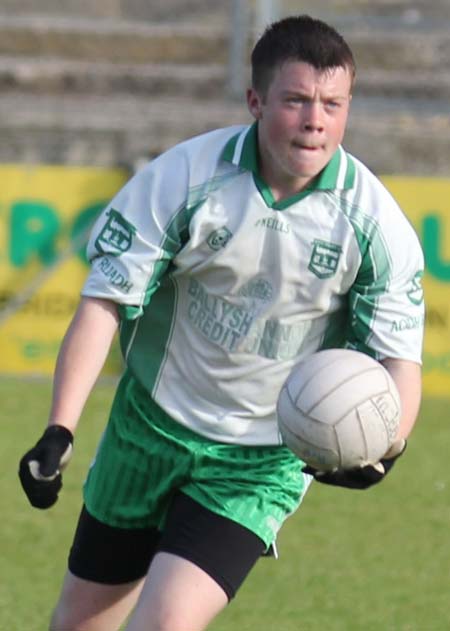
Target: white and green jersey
222,289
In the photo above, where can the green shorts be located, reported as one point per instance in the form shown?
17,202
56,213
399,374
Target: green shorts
145,456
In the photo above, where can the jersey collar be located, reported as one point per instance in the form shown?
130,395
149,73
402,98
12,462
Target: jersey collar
242,150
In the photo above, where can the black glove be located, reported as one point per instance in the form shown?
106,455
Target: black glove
40,468
361,477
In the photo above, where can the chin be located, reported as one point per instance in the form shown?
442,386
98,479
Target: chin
310,172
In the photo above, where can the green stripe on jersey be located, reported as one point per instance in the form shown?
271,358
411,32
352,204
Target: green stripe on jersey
230,148
134,317
350,174
142,327
151,331
373,277
175,236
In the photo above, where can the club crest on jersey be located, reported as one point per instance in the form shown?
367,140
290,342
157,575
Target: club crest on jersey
219,238
116,235
324,258
415,293
257,288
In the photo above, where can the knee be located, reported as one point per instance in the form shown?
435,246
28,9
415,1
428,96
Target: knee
87,606
61,620
160,619
70,615
66,619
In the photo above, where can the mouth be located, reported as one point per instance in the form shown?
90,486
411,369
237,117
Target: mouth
308,148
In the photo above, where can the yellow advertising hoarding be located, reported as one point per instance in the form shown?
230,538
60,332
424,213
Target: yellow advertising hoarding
426,202
46,210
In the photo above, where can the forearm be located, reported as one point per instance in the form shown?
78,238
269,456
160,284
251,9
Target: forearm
82,355
408,379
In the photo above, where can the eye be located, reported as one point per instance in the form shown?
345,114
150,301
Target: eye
295,99
333,105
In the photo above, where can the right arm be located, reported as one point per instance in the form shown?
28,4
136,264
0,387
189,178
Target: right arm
83,353
128,234
81,358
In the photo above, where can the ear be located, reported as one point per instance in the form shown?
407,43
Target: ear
254,103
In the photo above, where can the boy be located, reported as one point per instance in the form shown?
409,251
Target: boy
206,261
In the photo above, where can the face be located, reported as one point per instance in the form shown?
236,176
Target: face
301,122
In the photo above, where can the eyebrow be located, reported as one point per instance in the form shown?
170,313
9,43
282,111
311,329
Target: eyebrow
299,92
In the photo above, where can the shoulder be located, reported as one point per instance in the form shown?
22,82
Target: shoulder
211,141
368,190
370,200
372,197
383,229
171,175
201,152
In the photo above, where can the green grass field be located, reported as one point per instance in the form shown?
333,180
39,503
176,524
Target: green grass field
349,560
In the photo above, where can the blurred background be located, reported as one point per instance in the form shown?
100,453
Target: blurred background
112,82
89,91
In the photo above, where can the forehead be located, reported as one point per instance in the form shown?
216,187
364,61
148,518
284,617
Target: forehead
300,76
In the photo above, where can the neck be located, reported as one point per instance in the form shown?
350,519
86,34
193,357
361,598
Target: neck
284,187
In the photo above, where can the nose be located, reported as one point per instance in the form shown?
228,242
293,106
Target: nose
312,117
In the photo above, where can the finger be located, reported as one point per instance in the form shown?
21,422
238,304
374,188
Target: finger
66,457
378,467
36,470
335,478
309,470
40,493
396,449
373,473
52,461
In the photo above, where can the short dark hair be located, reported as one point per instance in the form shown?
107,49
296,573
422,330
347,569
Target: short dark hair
298,38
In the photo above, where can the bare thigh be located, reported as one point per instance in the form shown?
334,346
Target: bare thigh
177,596
87,606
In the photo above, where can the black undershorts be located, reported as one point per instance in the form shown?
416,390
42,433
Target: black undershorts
221,547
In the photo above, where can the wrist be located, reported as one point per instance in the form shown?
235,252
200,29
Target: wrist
55,429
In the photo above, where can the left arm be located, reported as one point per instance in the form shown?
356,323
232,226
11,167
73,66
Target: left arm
407,376
387,286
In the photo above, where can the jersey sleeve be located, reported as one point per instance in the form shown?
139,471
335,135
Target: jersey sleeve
138,234
386,304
